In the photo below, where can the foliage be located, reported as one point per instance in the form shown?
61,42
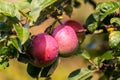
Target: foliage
17,19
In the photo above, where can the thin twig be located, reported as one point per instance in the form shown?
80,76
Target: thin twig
97,68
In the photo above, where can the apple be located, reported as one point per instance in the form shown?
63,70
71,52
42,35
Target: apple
66,39
79,29
44,49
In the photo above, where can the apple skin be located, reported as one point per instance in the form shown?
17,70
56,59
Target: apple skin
44,50
77,27
66,39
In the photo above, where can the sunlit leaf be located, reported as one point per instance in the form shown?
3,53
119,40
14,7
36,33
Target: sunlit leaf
118,79
80,74
22,5
115,20
103,9
114,39
16,43
38,5
92,27
9,9
22,33
106,8
107,55
4,64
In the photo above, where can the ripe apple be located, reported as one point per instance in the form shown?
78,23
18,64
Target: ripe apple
66,39
44,49
79,29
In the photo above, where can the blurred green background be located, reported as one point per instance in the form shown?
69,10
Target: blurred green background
17,70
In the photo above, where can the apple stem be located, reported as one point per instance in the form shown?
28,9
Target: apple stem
82,30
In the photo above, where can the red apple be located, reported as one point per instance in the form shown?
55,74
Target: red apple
66,39
44,49
79,29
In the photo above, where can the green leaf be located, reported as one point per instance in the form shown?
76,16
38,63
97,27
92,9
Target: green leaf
93,21
16,43
33,71
92,27
114,39
107,55
22,5
47,71
106,8
4,64
3,50
85,54
5,27
22,33
94,17
68,10
80,74
23,58
12,51
38,5
118,79
97,61
115,20
9,9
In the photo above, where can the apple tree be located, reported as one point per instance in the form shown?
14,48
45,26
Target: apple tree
42,52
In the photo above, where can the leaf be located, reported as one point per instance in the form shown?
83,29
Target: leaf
3,50
22,33
77,4
37,6
9,9
80,74
4,64
12,51
15,42
97,60
86,54
106,8
33,71
24,58
47,71
103,9
68,10
26,15
107,55
93,21
5,27
22,5
92,27
114,39
115,20
94,17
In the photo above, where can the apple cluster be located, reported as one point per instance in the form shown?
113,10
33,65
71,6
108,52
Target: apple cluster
63,41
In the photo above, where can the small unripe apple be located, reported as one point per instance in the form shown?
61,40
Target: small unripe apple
66,39
79,29
44,49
